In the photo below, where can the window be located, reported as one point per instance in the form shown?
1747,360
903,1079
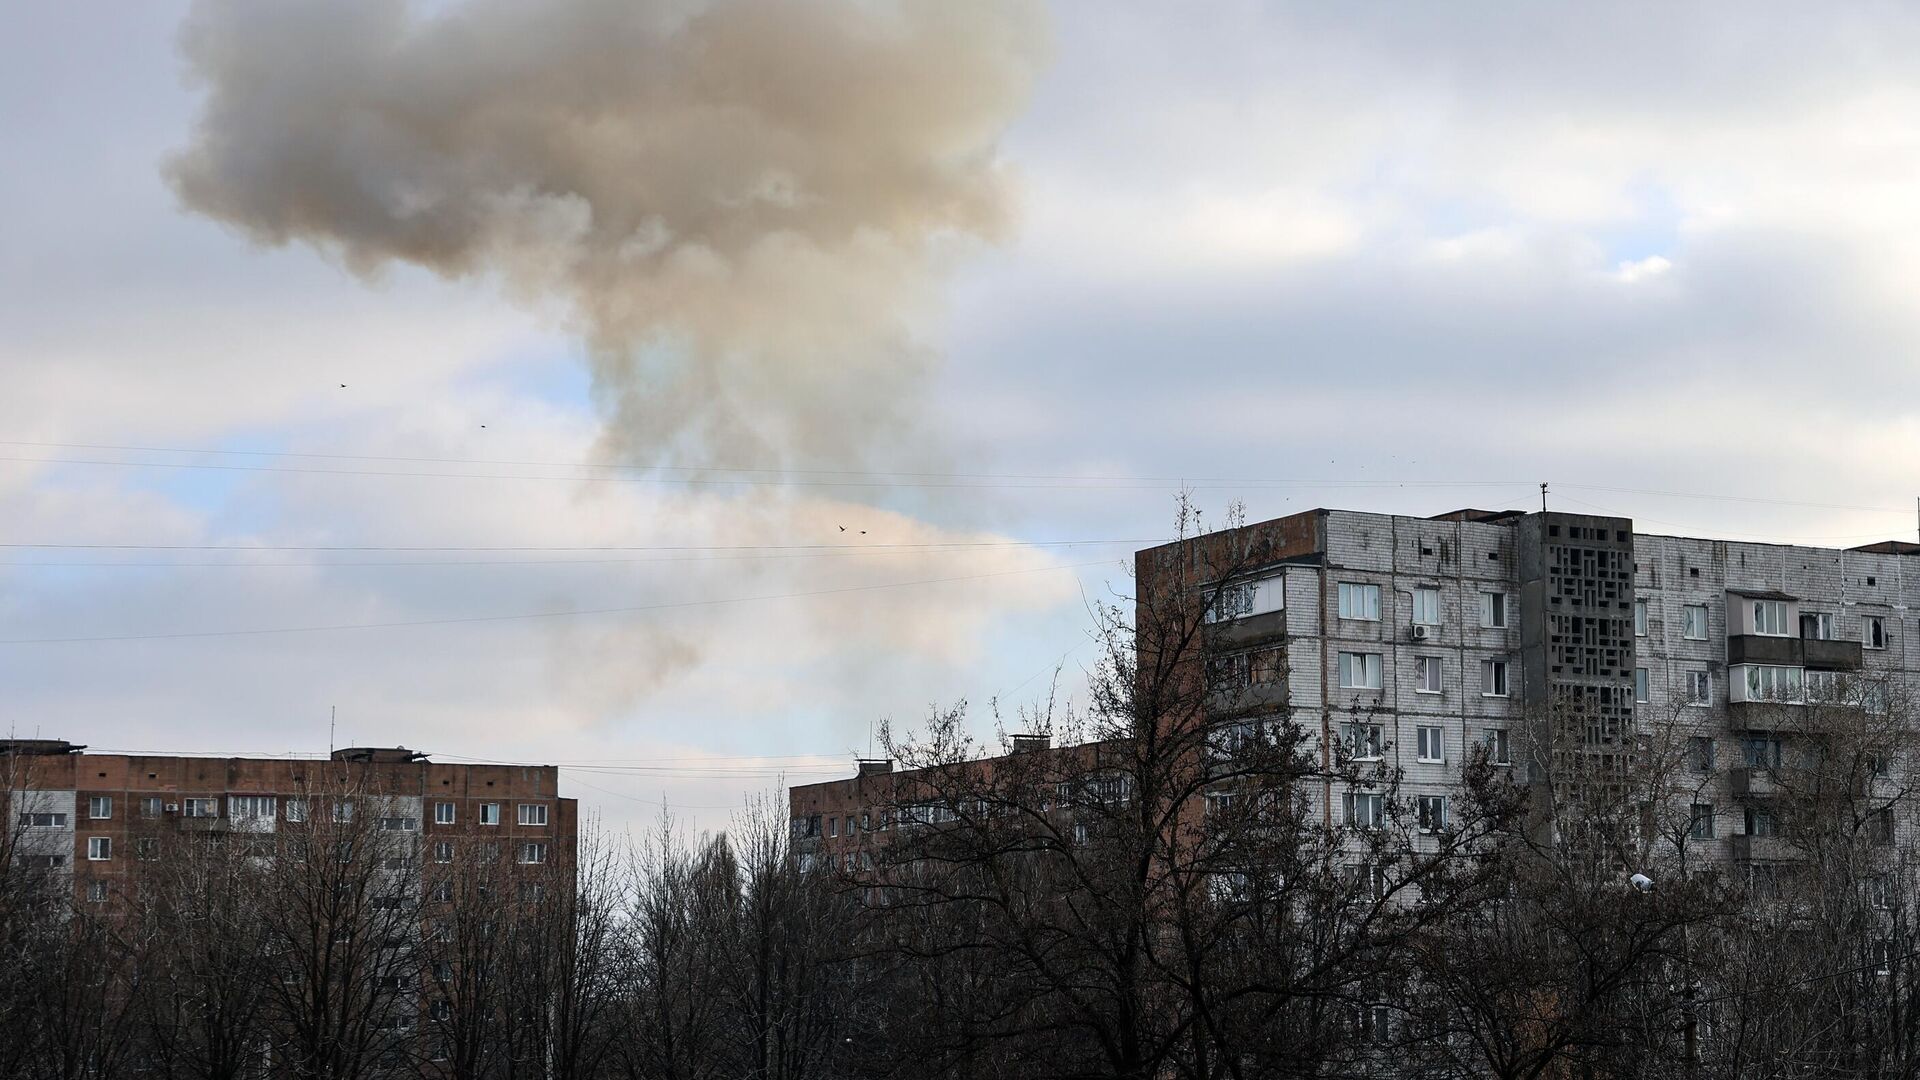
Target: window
1880,826
1701,827
1498,751
1367,811
200,807
833,826
1700,752
152,806
1364,741
1823,686
342,811
533,813
1762,682
1426,607
1640,685
1873,632
1360,671
443,851
1493,678
443,813
489,813
1433,745
99,807
1359,601
43,821
1247,598
296,810
1639,618
97,892
1770,617
849,827
398,824
1761,822
1493,609
1699,688
1693,622
1426,675
1761,751
251,807
1431,810
99,848
866,822
1816,625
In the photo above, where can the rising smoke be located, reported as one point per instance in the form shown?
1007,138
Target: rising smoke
742,206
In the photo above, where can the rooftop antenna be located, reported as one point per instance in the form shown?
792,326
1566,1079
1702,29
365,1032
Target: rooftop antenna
1543,496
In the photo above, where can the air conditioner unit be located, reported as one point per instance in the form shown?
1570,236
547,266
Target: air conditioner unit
173,808
1419,632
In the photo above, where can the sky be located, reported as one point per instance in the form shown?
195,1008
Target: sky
273,475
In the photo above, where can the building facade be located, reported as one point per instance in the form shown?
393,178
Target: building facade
97,817
1412,641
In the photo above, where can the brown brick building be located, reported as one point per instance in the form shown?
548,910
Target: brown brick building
96,816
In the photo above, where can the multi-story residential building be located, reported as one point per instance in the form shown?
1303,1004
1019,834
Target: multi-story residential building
1413,640
97,817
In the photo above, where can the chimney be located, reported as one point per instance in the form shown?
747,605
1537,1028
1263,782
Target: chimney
1025,743
875,766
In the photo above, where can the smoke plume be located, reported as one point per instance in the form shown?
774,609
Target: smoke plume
742,206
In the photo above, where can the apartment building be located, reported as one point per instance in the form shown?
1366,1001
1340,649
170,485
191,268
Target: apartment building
98,817
1412,640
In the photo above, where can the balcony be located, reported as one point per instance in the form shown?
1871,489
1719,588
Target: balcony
202,824
1257,698
1832,655
1749,782
1761,649
1782,716
1248,630
1748,848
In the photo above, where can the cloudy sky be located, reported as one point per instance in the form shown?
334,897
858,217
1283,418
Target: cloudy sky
827,363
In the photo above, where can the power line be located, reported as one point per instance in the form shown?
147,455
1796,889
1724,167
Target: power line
881,478
1063,484
949,545
624,610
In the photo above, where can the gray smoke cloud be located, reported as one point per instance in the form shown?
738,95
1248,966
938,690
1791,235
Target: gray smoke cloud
743,206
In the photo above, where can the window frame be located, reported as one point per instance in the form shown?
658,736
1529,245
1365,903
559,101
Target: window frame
1700,689
489,809
1430,744
1365,594
533,848
1376,813
1642,686
1868,624
193,807
1427,675
99,849
1499,744
1640,618
445,812
1362,734
1761,609
1374,661
1700,826
99,808
527,812
1504,681
1493,611
1688,614
1427,593
1430,814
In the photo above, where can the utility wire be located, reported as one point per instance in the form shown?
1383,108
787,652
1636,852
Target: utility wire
625,610
949,545
885,478
1074,484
